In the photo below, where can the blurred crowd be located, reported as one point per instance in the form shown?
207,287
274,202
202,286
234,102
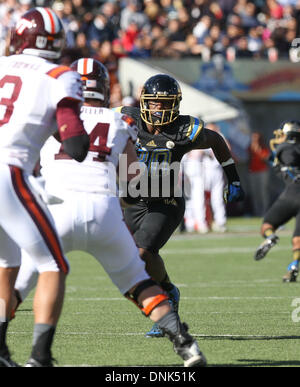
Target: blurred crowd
109,30
171,28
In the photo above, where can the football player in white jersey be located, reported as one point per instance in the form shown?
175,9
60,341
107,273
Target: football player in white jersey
36,96
90,217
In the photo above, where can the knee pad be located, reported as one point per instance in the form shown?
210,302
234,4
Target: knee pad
158,299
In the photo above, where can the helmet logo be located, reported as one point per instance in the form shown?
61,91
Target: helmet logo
41,41
22,25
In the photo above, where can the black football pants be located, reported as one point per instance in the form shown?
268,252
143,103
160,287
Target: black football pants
285,208
153,222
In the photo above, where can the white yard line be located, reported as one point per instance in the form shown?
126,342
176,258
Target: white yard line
218,250
109,299
143,333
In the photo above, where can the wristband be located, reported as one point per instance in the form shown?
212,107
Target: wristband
228,162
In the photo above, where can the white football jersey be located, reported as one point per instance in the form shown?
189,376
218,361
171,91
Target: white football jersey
30,89
109,132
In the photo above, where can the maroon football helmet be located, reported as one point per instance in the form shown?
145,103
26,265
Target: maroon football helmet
95,77
39,32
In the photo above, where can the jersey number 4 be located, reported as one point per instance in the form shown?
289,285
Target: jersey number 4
8,103
98,143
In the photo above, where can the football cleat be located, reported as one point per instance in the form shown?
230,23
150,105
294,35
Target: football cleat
6,361
155,331
293,270
35,363
264,248
174,296
187,348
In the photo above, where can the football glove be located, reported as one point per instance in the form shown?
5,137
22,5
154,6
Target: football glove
233,192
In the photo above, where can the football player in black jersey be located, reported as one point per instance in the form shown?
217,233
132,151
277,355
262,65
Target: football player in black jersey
164,137
286,159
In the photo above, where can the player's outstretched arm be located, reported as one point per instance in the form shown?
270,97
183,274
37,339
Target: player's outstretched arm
234,191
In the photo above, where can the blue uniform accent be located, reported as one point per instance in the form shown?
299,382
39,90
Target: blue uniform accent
233,193
294,263
194,129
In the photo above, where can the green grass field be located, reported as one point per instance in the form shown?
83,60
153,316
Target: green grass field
239,309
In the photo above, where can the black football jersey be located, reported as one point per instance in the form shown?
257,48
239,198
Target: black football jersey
163,152
288,157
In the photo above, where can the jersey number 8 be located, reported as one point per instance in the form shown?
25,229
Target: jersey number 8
8,103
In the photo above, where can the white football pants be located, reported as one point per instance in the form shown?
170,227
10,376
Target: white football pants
93,224
26,223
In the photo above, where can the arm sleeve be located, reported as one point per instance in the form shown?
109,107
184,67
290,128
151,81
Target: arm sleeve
74,138
213,140
221,150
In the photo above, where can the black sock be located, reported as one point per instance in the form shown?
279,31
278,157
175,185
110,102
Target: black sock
170,323
3,329
42,341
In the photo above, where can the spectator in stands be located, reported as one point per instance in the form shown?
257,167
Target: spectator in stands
255,39
100,29
234,32
132,13
65,11
248,16
274,9
106,56
227,6
216,11
192,46
111,10
201,29
269,26
81,44
142,46
168,7
152,9
7,21
258,174
129,35
242,50
173,30
185,22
